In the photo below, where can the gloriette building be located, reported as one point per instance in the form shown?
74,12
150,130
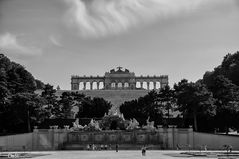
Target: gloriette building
116,86
118,80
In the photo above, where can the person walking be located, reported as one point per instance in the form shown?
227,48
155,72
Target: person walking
143,150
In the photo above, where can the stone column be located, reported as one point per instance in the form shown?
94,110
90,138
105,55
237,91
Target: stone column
91,85
190,137
170,137
98,85
154,85
162,85
35,138
84,85
72,86
147,85
141,85
79,85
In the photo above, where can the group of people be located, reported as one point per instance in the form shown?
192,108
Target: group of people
108,147
99,147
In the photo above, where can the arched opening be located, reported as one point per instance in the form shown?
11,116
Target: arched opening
151,85
144,85
94,85
87,85
101,85
126,85
81,86
113,85
120,85
137,84
157,85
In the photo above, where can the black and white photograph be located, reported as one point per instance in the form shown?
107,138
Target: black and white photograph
119,79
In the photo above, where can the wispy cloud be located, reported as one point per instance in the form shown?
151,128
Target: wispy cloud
96,18
12,44
54,40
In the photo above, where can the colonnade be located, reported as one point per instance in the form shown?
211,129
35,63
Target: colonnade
91,85
85,83
148,84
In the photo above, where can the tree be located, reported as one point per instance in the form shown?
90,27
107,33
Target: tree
4,92
224,82
88,107
229,68
195,99
166,98
142,108
67,101
39,84
94,108
18,79
24,111
227,100
16,84
100,107
51,100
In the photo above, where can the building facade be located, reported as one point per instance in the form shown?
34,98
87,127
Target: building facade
118,80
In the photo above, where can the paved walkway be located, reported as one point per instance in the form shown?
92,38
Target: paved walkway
109,155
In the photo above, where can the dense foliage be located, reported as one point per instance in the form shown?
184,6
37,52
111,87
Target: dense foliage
21,108
144,107
229,68
194,99
208,104
88,107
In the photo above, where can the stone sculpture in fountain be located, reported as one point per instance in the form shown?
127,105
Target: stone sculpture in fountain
149,126
133,124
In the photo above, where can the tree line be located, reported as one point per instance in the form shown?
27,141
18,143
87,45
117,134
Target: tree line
207,104
211,102
21,108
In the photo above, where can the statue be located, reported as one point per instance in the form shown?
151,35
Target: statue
74,111
150,125
93,125
76,123
77,126
133,124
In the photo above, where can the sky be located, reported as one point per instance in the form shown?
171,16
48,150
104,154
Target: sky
55,39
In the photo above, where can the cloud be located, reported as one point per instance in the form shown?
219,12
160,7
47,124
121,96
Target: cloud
96,18
12,44
54,40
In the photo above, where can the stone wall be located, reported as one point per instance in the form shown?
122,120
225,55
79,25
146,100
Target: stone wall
17,142
216,141
163,138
